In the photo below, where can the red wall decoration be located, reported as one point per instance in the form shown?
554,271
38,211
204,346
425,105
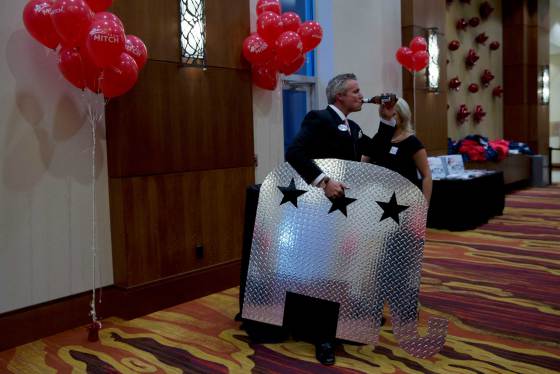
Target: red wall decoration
469,36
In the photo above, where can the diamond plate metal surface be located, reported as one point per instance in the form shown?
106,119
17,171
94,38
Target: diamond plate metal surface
359,260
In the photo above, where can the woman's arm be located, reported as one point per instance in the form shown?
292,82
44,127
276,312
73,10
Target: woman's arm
421,161
365,158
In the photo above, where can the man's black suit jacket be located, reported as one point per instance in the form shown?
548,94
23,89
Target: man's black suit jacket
321,137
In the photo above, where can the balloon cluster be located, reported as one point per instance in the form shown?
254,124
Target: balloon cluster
280,43
414,57
95,52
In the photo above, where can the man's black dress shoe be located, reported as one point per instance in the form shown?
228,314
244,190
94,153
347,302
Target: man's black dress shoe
324,352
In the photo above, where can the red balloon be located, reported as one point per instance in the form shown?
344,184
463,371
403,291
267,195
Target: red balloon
265,75
108,16
268,6
105,42
420,60
291,21
71,66
418,43
99,5
256,50
404,57
93,75
311,35
289,47
71,20
292,67
136,48
120,78
269,26
37,21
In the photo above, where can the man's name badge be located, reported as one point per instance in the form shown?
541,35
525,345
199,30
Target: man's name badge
343,127
394,150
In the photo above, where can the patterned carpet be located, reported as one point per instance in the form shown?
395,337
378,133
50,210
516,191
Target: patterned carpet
498,286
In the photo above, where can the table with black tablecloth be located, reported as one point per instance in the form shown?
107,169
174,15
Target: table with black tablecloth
466,204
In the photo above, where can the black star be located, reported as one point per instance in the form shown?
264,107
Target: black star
291,193
391,209
340,203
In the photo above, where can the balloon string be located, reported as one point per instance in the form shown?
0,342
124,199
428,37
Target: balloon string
93,119
414,99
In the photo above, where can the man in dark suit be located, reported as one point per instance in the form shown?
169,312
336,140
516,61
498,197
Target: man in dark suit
328,133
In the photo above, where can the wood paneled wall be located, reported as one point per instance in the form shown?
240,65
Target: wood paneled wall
429,108
181,119
526,51
180,147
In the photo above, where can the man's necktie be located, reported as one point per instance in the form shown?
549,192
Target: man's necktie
347,126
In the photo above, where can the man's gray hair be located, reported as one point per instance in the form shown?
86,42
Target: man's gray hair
338,85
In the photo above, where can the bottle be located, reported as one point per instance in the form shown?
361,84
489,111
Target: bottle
381,99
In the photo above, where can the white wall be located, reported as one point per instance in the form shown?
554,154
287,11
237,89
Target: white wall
360,36
363,38
268,129
45,176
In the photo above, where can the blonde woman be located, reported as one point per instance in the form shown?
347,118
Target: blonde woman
405,154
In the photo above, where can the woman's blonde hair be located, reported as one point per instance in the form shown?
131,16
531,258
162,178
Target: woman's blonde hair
403,110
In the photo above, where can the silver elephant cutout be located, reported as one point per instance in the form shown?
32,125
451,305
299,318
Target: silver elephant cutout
359,252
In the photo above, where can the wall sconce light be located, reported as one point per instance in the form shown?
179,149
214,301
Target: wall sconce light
192,20
432,72
544,85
